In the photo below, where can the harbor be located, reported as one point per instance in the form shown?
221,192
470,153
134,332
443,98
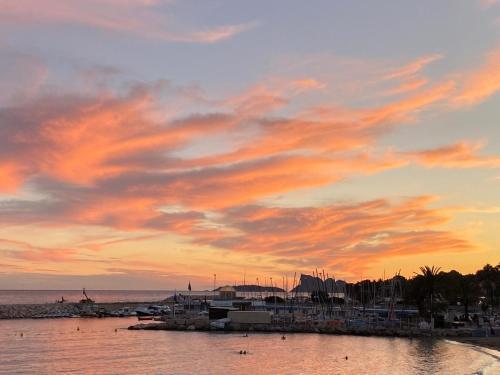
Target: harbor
228,313
234,328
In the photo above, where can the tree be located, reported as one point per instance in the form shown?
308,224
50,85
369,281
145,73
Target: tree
468,291
489,278
450,286
429,276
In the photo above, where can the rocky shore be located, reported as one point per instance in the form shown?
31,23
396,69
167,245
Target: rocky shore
60,310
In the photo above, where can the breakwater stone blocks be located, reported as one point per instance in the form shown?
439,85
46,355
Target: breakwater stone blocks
203,325
177,324
60,310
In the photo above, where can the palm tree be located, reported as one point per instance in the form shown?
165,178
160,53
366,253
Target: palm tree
488,278
429,278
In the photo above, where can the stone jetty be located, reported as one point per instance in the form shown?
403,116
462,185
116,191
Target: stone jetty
60,310
203,324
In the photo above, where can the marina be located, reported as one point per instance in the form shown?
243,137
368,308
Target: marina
315,325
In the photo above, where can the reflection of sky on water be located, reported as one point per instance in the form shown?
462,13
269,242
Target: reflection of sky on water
49,346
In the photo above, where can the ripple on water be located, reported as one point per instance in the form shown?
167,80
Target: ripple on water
55,346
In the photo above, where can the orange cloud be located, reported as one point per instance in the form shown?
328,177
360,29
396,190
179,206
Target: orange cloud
407,86
114,160
11,177
341,234
479,84
458,155
414,67
80,140
27,252
139,18
407,108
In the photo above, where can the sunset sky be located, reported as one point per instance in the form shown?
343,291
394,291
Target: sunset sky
148,143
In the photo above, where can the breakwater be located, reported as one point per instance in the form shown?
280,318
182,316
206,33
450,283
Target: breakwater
60,310
324,327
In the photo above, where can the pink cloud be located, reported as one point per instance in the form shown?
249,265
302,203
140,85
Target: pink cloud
27,252
413,67
112,159
348,236
480,83
139,18
407,86
458,155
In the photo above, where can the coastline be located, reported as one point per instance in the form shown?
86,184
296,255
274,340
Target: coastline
83,310
491,342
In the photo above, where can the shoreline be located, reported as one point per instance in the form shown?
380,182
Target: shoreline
491,342
84,310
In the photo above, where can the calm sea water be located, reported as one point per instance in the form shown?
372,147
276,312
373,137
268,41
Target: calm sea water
56,346
50,296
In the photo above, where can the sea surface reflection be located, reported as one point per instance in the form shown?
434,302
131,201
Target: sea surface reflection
104,346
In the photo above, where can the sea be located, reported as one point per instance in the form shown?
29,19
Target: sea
105,346
50,296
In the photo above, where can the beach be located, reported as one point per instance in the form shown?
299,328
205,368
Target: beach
492,342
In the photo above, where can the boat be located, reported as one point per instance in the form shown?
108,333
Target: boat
86,298
123,312
220,323
153,310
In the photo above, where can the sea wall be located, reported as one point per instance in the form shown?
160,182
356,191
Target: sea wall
198,324
58,310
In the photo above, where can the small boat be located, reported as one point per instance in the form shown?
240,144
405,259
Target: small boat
153,311
123,312
86,298
220,323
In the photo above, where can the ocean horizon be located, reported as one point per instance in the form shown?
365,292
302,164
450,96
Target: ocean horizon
34,296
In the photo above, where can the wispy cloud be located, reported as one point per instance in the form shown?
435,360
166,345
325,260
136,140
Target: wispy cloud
458,155
413,67
140,18
116,159
480,83
349,236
